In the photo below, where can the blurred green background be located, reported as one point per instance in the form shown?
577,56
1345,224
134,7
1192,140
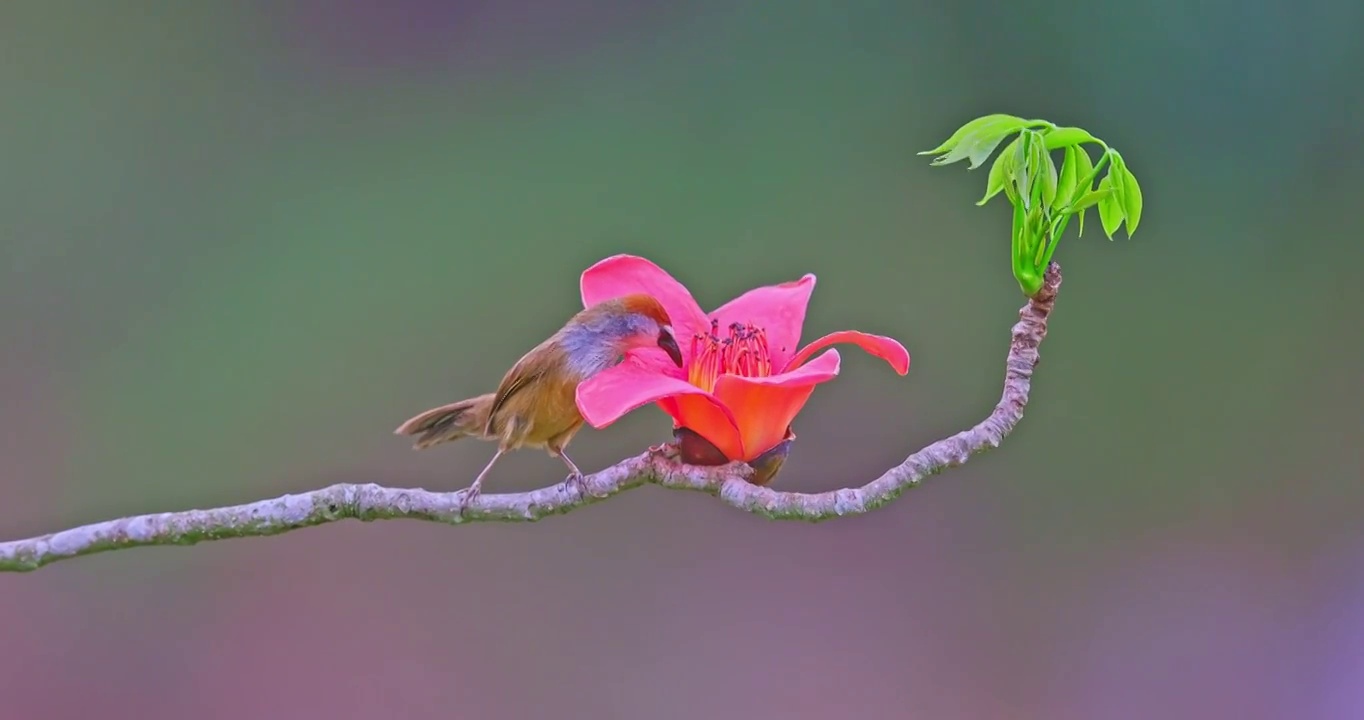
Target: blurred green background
240,242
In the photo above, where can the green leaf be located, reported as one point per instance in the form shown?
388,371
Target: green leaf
1087,179
1048,177
1131,199
999,173
1110,209
1116,171
974,126
1090,198
1084,170
980,142
1084,181
1038,187
1021,171
1067,137
1066,182
981,149
1039,172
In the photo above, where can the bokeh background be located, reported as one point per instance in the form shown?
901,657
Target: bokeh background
239,242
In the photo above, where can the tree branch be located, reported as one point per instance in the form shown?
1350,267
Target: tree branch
374,502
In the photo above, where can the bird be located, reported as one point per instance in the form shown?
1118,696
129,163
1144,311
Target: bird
535,404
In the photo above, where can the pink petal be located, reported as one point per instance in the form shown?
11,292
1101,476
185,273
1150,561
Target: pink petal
887,349
655,360
778,309
612,393
765,406
624,274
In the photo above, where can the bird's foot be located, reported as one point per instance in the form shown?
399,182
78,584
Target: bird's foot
576,480
667,450
469,495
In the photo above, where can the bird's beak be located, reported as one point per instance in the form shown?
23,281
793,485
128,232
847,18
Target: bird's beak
669,345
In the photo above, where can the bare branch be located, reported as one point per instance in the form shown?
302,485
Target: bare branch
374,502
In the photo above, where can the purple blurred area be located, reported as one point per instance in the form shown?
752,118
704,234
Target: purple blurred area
240,242
426,39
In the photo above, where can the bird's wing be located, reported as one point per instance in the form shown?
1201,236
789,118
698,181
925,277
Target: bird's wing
522,375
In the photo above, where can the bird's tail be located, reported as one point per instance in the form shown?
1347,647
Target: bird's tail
447,423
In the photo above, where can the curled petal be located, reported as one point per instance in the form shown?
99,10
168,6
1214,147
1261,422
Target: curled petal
779,309
624,274
765,406
704,415
887,349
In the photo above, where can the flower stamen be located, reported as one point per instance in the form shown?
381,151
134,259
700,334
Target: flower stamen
744,352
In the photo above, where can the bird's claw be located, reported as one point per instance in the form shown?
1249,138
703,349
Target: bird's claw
470,494
574,480
667,450
577,479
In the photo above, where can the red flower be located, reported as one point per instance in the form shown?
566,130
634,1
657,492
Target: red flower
742,380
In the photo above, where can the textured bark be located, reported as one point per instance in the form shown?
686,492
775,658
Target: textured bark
728,482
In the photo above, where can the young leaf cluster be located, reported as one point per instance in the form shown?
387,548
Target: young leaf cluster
1044,197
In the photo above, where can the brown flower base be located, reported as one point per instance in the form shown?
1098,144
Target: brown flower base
693,449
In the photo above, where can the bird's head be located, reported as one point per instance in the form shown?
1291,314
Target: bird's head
629,322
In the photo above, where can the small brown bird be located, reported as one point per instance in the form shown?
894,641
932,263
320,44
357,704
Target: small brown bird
535,405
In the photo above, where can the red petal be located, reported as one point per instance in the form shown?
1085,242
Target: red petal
707,417
778,309
623,274
765,406
887,349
